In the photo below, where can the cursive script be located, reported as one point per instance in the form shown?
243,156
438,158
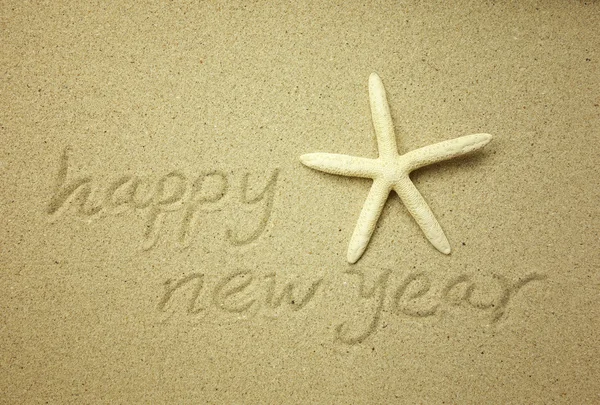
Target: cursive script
173,195
417,295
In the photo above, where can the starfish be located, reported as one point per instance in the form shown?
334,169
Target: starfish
390,171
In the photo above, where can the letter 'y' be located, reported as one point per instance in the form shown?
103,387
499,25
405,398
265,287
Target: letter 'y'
268,194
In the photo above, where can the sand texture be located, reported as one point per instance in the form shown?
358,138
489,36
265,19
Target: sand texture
162,242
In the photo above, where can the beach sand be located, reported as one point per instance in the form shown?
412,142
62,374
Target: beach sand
161,242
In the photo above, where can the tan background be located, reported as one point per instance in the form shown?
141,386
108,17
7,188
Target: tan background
146,88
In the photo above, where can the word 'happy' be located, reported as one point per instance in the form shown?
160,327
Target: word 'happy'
171,199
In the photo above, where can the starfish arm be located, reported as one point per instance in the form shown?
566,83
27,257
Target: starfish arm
418,208
445,150
368,219
382,119
342,165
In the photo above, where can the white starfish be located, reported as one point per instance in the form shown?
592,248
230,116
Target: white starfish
390,171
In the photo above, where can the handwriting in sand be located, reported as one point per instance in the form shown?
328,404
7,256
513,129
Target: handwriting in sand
171,198
416,295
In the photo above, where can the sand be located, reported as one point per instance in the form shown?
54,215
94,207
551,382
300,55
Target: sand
160,241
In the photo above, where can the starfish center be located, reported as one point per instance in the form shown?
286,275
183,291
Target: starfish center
393,170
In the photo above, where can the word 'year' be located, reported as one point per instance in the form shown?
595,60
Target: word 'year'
172,195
